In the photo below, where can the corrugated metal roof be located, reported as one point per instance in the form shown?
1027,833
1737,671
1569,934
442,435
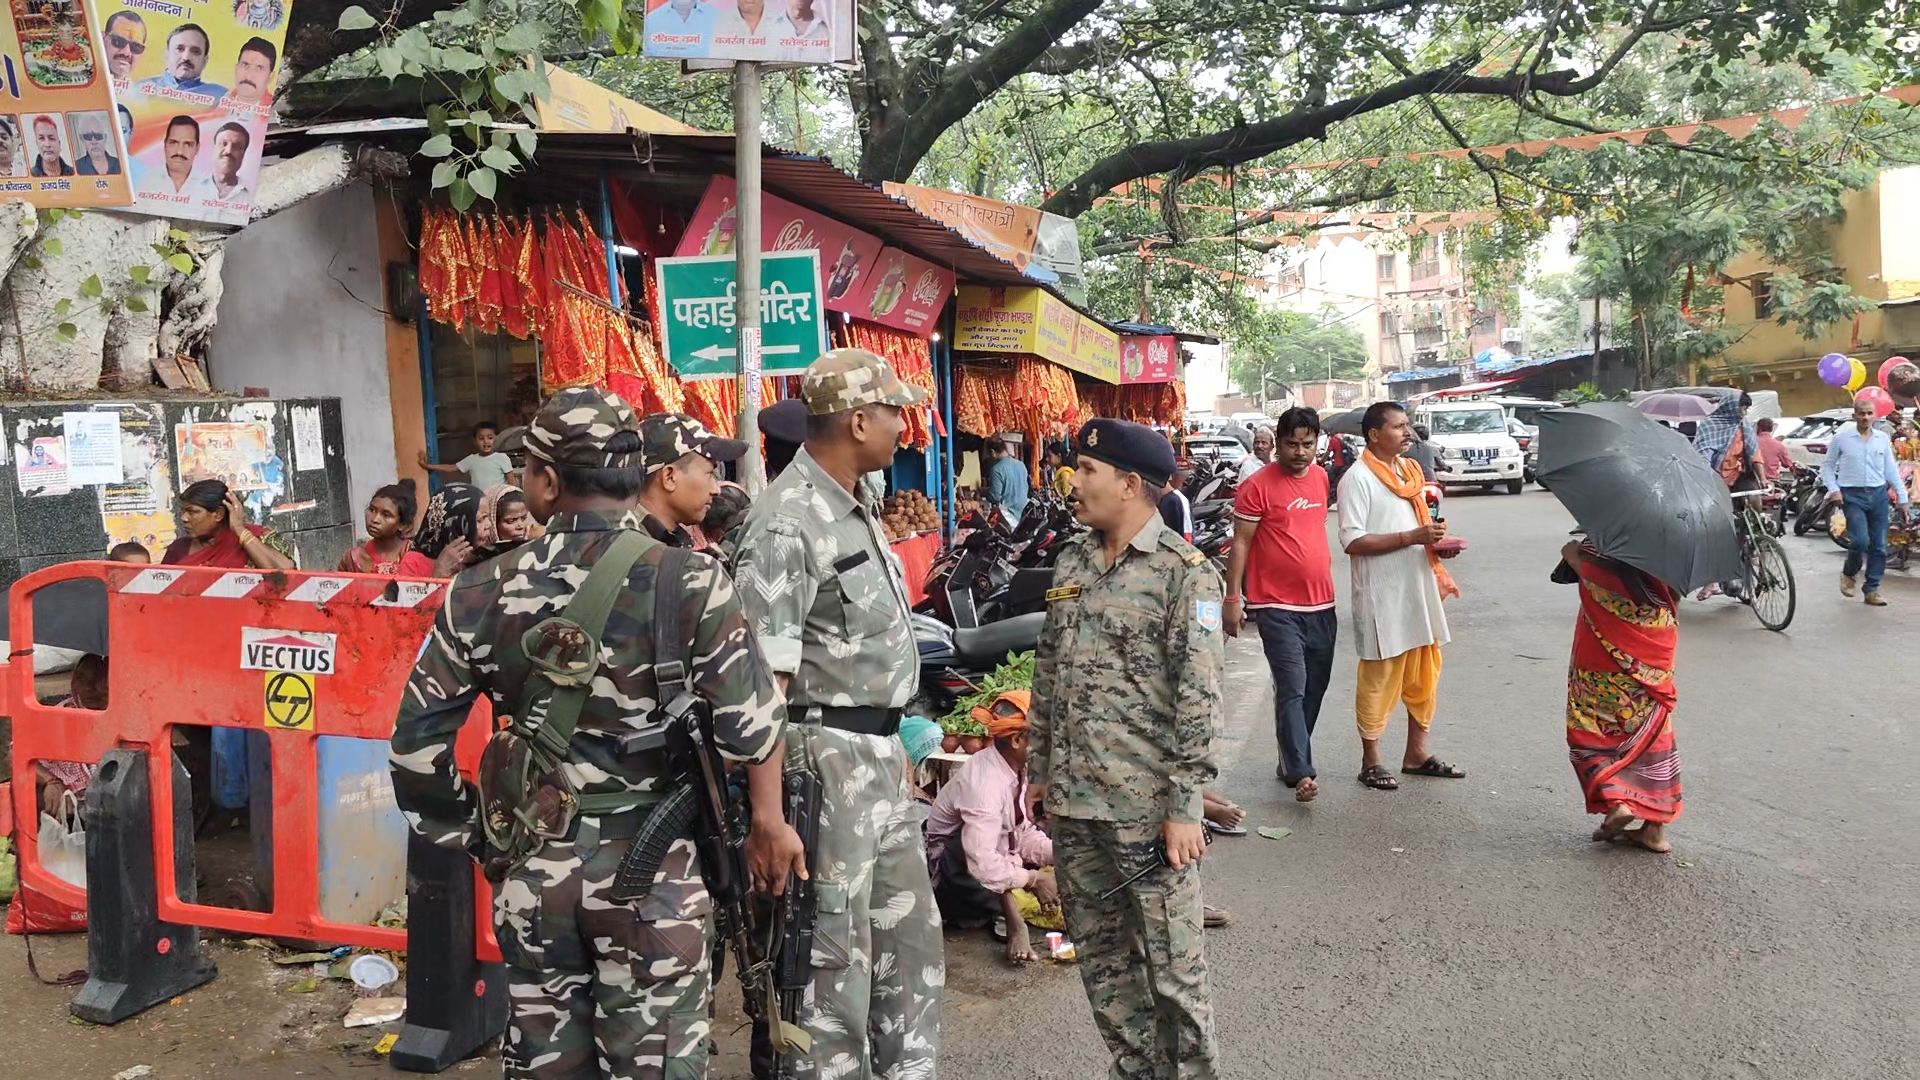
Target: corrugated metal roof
811,181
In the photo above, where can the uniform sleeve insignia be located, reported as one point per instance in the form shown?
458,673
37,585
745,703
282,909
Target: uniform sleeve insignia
1207,614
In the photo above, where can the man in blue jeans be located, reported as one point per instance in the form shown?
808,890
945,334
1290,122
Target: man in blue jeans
1860,469
1281,572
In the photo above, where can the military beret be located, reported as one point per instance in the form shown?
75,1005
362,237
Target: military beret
785,420
1130,447
667,437
575,426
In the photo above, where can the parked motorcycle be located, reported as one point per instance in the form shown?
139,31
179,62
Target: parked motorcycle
975,638
1804,504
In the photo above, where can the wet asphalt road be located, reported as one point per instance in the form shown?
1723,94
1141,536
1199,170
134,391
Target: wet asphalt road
1468,928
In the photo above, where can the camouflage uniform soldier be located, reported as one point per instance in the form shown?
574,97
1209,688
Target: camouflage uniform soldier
679,456
596,989
1126,698
829,607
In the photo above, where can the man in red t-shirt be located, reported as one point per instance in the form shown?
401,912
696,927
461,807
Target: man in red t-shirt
1281,572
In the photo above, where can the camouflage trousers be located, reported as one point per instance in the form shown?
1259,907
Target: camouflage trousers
1140,952
598,990
873,1009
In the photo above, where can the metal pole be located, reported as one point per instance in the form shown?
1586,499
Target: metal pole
609,241
1596,343
746,273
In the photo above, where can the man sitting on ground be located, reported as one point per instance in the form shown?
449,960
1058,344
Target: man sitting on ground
981,845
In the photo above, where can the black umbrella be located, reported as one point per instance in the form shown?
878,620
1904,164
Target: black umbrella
66,615
1346,423
1641,493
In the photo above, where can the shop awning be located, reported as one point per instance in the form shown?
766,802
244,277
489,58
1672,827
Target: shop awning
1466,391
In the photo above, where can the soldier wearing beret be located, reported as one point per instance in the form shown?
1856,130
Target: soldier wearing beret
827,601
596,989
1126,698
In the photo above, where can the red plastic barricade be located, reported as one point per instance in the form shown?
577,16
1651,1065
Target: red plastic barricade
296,654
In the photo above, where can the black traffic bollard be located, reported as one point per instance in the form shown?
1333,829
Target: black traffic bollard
134,960
455,1003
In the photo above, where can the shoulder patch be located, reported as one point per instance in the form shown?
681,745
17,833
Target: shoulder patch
1207,614
1193,558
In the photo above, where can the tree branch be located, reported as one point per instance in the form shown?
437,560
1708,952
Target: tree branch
893,155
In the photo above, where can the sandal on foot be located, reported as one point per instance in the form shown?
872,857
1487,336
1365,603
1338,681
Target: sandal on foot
1224,830
1213,917
1433,766
1306,789
1377,777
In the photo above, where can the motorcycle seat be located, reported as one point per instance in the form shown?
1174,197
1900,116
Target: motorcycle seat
987,644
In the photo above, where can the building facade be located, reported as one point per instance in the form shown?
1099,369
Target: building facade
1873,246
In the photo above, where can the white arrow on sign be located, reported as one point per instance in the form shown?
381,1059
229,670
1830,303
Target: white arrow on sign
715,352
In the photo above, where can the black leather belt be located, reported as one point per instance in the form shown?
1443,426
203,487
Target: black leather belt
858,719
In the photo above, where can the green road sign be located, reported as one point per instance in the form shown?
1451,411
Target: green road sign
697,305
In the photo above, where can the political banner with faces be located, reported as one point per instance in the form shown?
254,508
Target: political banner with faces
59,145
195,87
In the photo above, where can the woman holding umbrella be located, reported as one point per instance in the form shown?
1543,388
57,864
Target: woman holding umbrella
1620,698
1656,520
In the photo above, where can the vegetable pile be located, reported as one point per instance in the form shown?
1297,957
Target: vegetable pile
1015,674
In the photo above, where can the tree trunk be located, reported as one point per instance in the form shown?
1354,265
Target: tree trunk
111,341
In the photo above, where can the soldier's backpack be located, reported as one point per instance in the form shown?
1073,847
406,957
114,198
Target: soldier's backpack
525,796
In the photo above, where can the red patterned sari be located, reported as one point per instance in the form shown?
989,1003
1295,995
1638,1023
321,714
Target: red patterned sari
1620,693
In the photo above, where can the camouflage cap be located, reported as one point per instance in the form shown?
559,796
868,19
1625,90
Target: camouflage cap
667,437
849,378
575,426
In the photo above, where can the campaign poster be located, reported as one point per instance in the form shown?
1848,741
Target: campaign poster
59,143
712,33
195,86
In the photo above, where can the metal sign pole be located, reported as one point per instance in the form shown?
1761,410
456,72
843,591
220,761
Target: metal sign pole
746,176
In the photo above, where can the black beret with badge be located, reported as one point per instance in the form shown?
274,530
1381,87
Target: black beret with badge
1130,447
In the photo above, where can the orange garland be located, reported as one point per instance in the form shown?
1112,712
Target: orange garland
1164,404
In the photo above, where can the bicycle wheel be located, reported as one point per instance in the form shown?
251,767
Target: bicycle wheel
1770,583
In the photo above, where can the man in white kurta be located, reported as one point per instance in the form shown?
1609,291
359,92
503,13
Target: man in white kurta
1398,586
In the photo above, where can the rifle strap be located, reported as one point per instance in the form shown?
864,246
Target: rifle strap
588,609
670,644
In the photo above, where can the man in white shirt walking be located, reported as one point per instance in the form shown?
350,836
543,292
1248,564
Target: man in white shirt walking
1263,443
1398,585
1859,471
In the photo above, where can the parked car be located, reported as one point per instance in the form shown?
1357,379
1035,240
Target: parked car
1475,446
1807,441
1217,449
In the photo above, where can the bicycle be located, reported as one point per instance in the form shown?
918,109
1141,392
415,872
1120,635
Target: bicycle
1766,578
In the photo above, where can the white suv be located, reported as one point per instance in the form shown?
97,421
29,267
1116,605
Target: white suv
1473,445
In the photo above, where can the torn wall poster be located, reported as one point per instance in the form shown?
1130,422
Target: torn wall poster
309,453
240,455
43,466
140,507
93,447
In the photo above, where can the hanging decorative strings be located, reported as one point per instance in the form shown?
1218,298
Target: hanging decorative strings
545,279
1164,404
1022,393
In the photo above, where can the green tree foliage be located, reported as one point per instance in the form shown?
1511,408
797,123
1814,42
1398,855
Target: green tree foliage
1276,349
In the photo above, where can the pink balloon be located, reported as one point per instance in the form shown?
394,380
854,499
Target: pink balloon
1887,366
1880,401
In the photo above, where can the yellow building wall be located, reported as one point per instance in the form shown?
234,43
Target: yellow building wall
1768,356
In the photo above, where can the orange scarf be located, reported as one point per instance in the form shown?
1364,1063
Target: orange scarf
1405,479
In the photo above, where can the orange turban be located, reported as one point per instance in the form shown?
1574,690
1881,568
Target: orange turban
1005,715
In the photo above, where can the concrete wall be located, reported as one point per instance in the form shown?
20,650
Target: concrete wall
302,316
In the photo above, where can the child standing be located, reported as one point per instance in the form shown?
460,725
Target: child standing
484,468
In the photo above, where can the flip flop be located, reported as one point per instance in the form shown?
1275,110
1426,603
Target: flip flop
1378,778
1224,830
1433,766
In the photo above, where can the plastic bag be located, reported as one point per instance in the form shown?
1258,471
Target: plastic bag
62,842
